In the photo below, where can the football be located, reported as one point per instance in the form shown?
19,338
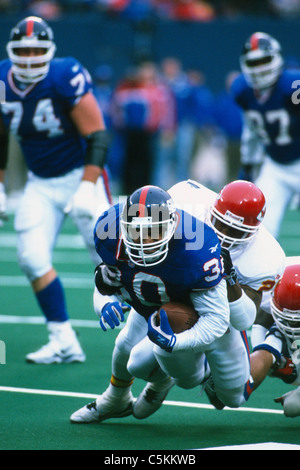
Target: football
181,317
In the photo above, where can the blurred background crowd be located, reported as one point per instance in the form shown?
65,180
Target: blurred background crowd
167,125
195,10
168,117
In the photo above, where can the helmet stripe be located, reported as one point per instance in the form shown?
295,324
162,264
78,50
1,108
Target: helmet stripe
142,201
254,42
29,27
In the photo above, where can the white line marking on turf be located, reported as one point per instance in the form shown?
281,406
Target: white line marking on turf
27,320
166,402
69,280
73,242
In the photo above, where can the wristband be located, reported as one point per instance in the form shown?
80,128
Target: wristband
232,277
97,146
242,312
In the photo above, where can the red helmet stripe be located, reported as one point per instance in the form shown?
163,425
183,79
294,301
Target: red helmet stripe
254,42
29,27
142,201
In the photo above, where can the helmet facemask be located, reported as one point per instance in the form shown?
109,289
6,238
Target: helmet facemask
287,321
147,232
262,72
285,303
261,61
231,230
237,214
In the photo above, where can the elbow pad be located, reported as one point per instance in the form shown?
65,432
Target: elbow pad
96,150
242,312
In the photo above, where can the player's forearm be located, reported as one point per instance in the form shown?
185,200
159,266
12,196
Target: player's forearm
208,329
2,176
91,173
213,309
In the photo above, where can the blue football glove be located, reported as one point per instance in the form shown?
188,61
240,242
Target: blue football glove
112,314
161,335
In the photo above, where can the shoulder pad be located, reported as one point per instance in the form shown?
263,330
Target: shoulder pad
71,78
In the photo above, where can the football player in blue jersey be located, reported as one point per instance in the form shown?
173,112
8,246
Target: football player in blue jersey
152,254
268,95
51,109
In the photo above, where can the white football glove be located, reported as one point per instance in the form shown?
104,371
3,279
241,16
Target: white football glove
291,403
3,215
84,202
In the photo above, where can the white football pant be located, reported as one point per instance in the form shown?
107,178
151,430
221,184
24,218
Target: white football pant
40,216
227,359
278,183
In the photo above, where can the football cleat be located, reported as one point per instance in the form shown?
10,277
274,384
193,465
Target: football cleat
209,389
52,353
63,347
151,398
104,407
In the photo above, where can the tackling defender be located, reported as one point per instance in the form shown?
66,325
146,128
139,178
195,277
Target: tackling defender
51,110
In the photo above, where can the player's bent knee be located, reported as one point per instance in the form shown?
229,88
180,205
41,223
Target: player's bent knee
137,371
33,266
233,398
186,383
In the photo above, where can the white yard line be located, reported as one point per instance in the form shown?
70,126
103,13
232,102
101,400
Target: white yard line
89,396
69,280
31,320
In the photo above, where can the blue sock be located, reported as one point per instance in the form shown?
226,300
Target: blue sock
52,302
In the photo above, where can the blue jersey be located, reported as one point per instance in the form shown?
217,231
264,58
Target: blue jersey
39,116
276,120
193,263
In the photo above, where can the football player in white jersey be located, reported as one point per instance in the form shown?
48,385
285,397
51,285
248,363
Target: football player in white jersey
51,110
253,259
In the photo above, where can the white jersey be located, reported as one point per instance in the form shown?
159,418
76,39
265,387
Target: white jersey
259,264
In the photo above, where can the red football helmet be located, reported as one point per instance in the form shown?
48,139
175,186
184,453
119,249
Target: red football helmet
285,303
237,213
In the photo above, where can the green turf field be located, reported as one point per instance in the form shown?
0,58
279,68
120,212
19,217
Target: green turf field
37,401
